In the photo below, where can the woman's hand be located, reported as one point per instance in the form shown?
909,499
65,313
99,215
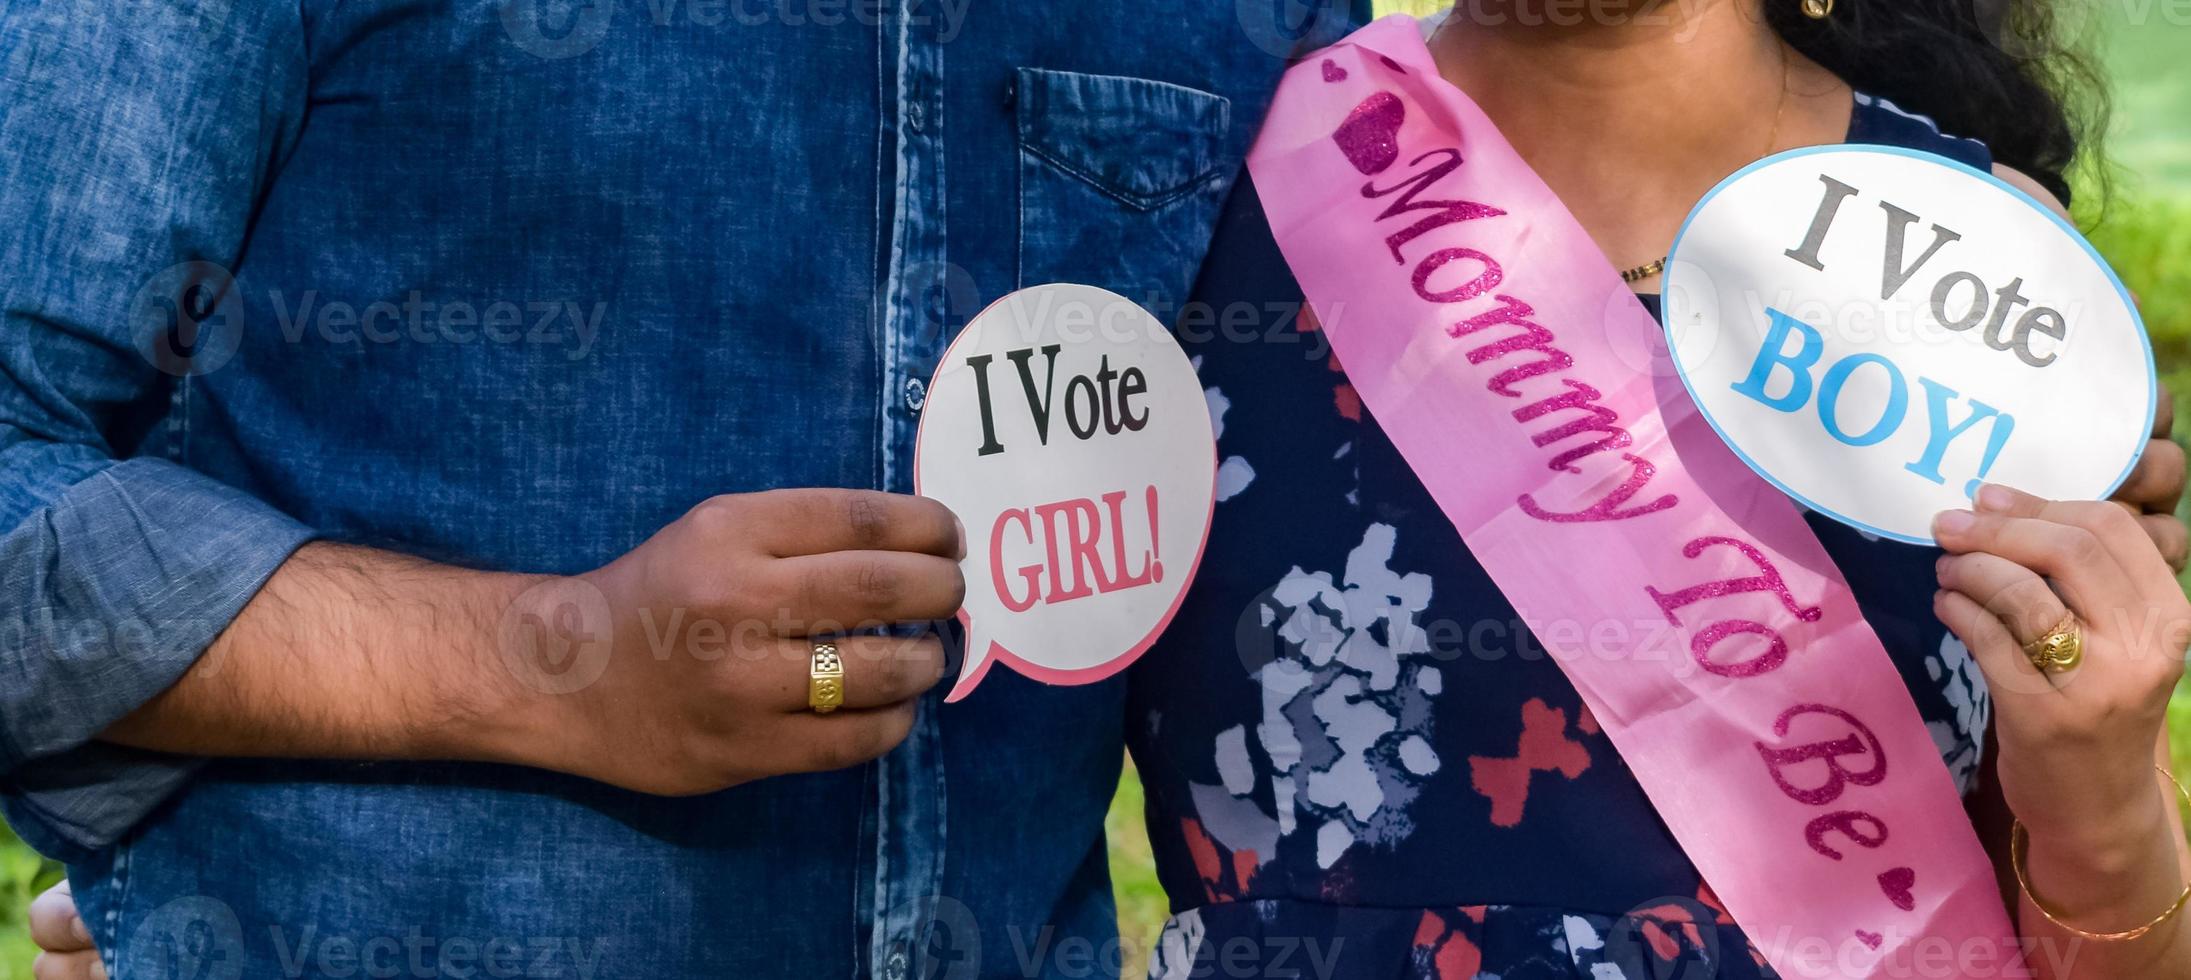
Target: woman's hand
65,943
2077,748
2155,487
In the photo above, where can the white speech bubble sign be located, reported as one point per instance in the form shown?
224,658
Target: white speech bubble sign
1067,430
1878,331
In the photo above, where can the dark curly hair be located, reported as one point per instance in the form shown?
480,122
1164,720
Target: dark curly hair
2008,72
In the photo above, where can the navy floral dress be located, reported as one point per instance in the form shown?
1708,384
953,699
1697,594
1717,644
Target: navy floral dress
1359,764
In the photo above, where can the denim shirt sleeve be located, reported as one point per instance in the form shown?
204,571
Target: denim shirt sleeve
135,139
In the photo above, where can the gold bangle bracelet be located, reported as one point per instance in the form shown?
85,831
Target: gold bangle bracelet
2020,842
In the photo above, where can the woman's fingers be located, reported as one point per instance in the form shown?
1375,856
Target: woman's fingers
2169,537
2015,595
2155,485
2075,558
2132,548
2020,603
2101,563
68,966
54,924
2000,657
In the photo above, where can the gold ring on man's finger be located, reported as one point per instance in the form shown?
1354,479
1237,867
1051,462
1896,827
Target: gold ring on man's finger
825,679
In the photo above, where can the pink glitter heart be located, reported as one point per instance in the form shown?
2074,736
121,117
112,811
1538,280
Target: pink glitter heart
1871,939
1896,884
1370,135
1332,71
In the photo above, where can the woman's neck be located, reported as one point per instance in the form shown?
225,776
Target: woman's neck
1631,116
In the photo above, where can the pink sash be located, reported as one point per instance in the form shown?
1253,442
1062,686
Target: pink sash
1684,597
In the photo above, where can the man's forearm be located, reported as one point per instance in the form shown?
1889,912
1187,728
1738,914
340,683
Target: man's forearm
680,667
348,652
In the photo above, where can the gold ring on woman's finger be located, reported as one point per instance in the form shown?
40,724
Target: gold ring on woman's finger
2060,649
825,679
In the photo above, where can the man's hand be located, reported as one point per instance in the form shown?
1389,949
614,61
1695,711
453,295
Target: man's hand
60,932
683,666
679,668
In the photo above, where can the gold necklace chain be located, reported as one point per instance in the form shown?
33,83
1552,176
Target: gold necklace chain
1772,139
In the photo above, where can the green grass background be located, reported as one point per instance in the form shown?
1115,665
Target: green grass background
2144,229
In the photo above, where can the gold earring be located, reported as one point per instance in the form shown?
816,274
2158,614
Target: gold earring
1818,9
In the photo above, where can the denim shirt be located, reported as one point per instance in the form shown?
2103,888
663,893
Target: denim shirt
510,284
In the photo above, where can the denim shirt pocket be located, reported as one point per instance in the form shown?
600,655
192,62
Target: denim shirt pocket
1120,181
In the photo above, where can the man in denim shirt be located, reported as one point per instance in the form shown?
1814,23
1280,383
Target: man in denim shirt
398,382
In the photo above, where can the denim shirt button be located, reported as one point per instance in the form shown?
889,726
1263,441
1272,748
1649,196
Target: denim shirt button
916,115
916,393
894,966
